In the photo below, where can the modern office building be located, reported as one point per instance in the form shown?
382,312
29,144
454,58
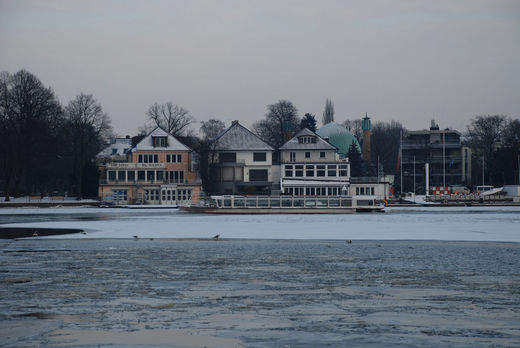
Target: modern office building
449,162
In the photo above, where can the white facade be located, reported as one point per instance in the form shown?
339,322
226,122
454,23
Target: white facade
310,166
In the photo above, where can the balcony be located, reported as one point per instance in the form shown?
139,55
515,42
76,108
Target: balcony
149,182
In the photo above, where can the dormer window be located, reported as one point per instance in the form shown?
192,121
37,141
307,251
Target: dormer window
307,139
160,141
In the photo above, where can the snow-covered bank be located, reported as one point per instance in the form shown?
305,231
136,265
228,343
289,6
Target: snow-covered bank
417,223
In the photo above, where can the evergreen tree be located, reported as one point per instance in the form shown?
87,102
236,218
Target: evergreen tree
328,113
356,161
309,122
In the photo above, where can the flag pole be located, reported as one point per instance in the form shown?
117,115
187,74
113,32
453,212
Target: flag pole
444,159
401,161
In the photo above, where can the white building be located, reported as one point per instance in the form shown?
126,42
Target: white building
242,162
310,166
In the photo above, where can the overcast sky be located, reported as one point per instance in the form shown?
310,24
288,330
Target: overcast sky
405,60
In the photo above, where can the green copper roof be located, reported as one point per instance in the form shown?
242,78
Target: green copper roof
338,136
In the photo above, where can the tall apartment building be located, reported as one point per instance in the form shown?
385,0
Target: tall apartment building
449,161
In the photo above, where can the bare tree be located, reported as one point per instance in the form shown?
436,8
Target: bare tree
280,123
89,127
212,128
385,140
354,127
328,113
29,120
485,135
172,118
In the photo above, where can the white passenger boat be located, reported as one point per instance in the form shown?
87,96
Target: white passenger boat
286,205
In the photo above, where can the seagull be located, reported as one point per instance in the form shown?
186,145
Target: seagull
136,237
216,237
349,241
83,232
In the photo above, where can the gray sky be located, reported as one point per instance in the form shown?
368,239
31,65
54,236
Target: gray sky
406,60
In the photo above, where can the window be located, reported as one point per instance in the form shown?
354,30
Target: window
160,175
331,170
120,195
140,175
307,140
148,158
320,170
111,175
309,170
121,175
288,171
160,141
298,170
307,154
258,175
322,154
150,175
228,157
130,175
292,156
175,176
343,170
173,158
259,156
114,151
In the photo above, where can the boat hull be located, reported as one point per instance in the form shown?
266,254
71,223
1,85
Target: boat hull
249,211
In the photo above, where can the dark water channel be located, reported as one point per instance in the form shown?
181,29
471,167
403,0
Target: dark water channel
259,293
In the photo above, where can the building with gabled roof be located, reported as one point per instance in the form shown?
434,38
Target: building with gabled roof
116,151
159,170
310,166
242,162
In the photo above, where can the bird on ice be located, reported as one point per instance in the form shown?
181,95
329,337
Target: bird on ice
216,237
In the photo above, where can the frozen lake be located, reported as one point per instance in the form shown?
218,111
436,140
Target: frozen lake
413,277
421,223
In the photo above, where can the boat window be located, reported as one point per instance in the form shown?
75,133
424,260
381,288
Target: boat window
334,202
346,203
275,203
286,203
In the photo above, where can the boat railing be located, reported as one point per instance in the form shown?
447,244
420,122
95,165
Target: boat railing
270,202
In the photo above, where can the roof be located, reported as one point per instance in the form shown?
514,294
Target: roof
338,136
434,131
320,144
146,144
239,138
118,147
